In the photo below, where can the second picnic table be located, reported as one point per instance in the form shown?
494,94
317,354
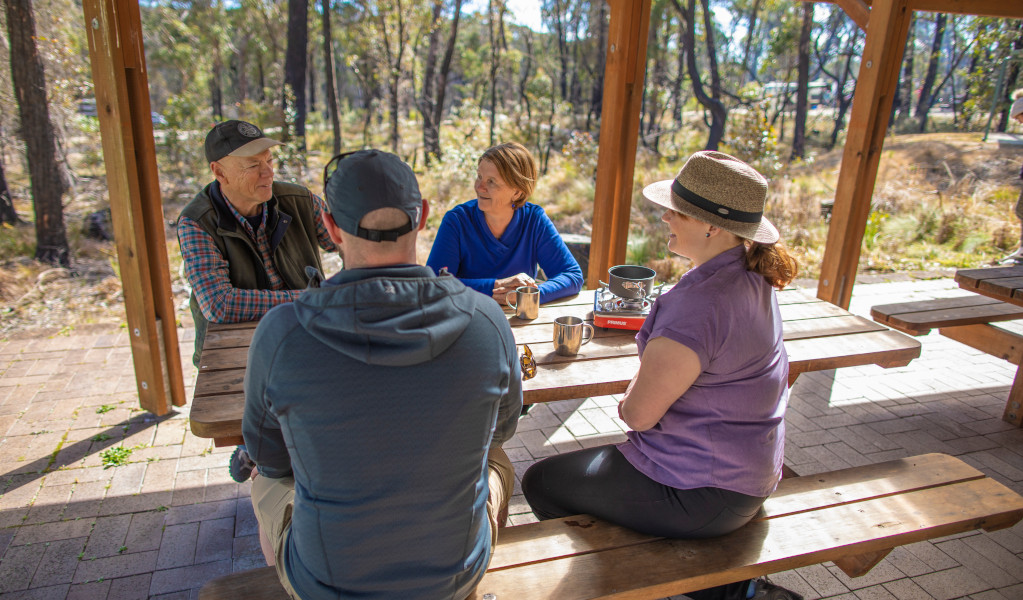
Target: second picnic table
1005,284
818,336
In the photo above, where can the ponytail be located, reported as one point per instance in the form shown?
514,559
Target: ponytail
773,262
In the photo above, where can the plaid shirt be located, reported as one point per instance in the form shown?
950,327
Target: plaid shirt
208,273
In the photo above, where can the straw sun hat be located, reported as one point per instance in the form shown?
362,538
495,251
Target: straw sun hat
719,189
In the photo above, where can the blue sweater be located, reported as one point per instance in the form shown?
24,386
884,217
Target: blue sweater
466,246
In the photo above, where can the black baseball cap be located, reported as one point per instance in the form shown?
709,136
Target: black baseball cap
236,138
357,183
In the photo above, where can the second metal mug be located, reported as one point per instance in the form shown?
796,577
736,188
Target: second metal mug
568,335
526,302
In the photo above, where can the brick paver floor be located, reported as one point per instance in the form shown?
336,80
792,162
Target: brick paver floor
170,518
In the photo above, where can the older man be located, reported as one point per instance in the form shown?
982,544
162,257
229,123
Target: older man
375,409
246,239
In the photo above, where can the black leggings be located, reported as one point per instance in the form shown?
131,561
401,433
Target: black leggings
601,482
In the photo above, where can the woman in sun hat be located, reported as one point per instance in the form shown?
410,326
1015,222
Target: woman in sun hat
707,407
495,243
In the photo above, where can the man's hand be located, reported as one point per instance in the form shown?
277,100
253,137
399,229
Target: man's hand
502,287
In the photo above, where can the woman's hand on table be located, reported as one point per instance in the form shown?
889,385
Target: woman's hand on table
502,287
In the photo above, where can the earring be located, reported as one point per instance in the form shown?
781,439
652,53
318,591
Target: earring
706,234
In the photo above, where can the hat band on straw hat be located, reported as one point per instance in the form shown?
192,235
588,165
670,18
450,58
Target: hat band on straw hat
714,208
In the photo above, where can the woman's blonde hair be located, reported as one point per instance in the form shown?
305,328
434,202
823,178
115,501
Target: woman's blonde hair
516,166
772,261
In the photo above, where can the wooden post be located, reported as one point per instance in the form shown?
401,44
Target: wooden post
619,134
122,103
875,90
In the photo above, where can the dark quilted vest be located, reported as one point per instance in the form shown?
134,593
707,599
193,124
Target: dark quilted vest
290,227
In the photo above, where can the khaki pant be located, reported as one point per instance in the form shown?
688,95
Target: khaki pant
273,499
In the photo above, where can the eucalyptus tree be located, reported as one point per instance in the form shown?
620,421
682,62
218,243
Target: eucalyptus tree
295,60
333,107
435,77
48,183
837,57
711,101
802,83
927,91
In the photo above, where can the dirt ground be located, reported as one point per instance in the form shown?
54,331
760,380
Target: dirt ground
39,300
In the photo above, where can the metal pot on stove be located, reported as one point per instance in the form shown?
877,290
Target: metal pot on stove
631,281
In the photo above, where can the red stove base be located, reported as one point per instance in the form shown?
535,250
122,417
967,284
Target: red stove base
618,321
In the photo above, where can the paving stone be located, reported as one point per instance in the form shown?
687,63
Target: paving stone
951,583
214,542
121,565
46,593
19,565
108,536
178,545
58,563
183,578
135,587
96,590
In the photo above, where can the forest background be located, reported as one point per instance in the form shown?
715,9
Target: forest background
770,81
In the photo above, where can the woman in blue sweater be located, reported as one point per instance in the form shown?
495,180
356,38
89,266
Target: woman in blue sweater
495,243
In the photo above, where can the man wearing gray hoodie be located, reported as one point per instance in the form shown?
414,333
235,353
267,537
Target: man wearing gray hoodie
375,409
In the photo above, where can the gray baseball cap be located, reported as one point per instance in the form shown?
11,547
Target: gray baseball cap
236,138
357,183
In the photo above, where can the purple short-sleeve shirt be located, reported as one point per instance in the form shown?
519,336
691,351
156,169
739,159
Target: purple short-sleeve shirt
727,430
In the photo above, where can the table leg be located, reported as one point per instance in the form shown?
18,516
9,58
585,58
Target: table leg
1014,406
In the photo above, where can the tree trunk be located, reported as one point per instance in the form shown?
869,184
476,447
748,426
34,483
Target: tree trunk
7,213
495,60
311,76
216,94
445,69
923,106
714,106
431,129
1010,80
844,101
597,94
904,99
803,84
36,130
748,72
295,63
328,66
525,74
561,36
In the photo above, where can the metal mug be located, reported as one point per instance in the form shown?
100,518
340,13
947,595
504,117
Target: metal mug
568,335
526,301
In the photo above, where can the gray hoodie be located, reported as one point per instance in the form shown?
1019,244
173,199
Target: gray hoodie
381,392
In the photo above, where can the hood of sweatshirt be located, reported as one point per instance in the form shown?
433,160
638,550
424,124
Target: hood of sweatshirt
394,316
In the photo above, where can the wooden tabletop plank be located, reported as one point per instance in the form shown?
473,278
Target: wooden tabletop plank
924,320
884,348
818,336
900,308
971,278
810,310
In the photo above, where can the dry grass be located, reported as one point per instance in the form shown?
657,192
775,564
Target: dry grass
941,202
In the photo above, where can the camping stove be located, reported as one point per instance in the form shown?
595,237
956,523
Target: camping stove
615,312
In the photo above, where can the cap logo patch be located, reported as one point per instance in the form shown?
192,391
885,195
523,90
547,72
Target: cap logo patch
248,130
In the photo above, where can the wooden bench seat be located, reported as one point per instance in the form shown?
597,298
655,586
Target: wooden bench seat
918,318
852,517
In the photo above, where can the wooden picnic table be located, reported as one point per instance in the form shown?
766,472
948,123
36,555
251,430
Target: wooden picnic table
1005,284
818,336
